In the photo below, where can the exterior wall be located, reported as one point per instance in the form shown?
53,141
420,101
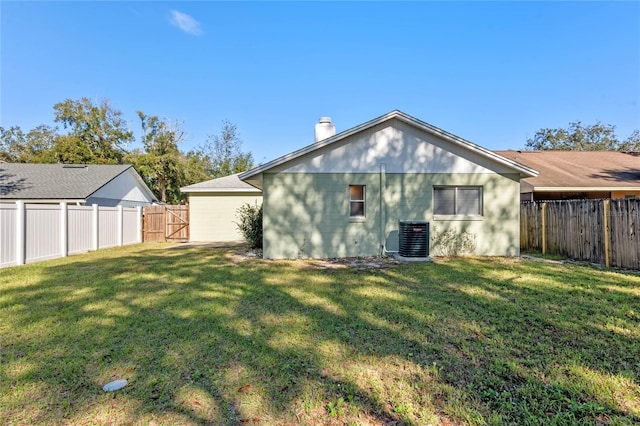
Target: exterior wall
550,196
307,214
625,194
401,147
584,195
124,190
213,215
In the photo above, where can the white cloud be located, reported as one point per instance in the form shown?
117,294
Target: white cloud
185,22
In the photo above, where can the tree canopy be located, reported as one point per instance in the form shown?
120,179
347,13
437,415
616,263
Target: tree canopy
160,164
579,137
34,147
224,154
97,133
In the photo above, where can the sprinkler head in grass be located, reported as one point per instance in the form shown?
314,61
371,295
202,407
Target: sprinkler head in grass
115,385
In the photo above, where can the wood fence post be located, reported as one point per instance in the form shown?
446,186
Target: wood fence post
544,228
607,233
164,223
64,229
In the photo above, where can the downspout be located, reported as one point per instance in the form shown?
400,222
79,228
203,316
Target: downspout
382,206
383,211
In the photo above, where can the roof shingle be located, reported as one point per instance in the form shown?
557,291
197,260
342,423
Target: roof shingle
580,169
231,183
55,181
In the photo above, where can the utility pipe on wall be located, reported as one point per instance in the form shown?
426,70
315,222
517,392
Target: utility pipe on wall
383,179
383,211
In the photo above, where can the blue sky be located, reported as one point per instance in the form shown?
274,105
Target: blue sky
492,73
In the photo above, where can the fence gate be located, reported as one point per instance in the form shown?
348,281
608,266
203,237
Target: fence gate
166,223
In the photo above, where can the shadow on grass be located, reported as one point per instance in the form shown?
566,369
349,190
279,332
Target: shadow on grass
207,338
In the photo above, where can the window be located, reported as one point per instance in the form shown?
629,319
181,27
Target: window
457,200
356,200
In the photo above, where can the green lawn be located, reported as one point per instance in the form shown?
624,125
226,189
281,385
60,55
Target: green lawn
207,337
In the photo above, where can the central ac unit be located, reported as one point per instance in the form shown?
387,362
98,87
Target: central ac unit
414,238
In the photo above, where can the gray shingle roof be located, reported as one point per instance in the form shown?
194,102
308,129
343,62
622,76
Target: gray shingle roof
54,181
231,183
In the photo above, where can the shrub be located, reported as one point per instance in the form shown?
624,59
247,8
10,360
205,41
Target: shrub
450,243
250,225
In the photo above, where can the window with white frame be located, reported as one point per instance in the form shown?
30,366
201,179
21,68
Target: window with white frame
457,200
357,201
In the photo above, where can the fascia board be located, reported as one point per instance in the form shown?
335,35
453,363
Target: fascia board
584,188
190,190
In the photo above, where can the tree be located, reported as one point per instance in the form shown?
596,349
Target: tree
577,137
34,147
632,143
12,142
196,167
97,133
161,163
224,154
39,146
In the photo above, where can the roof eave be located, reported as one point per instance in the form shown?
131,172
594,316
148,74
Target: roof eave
584,188
190,190
44,200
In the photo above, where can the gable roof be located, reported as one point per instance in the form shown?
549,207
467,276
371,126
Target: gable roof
406,118
584,170
59,181
231,183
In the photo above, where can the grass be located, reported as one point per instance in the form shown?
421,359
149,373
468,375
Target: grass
206,337
546,256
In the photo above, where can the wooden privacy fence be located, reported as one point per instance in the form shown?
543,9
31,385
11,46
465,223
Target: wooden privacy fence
605,232
166,223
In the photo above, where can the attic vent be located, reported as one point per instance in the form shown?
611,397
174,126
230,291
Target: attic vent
75,166
414,238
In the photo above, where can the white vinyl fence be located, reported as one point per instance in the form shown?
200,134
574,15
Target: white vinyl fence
36,232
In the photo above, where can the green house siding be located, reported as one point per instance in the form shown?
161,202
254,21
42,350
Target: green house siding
307,214
497,231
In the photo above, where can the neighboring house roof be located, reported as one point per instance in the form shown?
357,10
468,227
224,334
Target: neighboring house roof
231,183
406,118
20,181
580,170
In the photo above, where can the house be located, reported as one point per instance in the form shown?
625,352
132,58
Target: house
80,184
213,207
578,174
346,194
